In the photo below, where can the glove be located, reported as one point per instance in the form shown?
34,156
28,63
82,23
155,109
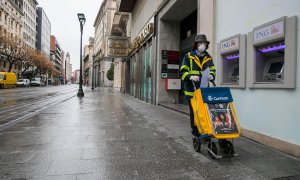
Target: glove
210,77
194,78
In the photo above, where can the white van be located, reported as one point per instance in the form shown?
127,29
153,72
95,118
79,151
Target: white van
23,83
36,82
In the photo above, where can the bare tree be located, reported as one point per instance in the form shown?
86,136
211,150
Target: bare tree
26,59
11,49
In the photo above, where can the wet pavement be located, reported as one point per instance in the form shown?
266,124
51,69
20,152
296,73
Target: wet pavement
22,103
108,135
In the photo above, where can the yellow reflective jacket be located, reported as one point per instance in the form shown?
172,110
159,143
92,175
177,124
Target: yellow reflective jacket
193,64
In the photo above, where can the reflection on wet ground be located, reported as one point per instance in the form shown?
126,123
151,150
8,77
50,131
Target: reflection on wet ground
108,135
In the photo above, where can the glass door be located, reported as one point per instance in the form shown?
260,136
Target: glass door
149,73
146,88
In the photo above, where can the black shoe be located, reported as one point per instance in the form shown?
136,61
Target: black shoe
195,133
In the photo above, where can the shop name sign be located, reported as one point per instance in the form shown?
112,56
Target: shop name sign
146,32
117,47
269,31
229,44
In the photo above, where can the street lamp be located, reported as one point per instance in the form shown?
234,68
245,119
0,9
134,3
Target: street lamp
81,19
93,71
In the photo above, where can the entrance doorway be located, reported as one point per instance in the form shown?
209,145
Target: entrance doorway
188,32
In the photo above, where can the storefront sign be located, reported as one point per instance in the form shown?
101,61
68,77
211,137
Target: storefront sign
164,75
164,54
170,64
269,31
117,47
146,32
173,55
173,84
173,66
229,44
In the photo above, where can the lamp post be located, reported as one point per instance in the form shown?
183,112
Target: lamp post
81,19
94,56
65,72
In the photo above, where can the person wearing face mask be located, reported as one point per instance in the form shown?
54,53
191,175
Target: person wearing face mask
192,67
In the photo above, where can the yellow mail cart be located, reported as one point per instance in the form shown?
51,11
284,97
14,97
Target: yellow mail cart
216,120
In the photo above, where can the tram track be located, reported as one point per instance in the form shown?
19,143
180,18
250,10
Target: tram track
12,115
44,97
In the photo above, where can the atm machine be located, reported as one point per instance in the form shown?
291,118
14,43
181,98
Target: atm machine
274,62
272,54
231,62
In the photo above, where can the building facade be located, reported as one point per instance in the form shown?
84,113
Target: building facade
88,52
267,108
11,23
76,76
103,24
11,14
118,66
29,20
140,67
68,68
43,32
155,56
56,56
117,47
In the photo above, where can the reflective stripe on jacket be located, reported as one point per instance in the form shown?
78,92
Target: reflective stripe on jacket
193,64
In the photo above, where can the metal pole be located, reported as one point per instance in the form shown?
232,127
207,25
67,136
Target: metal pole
65,72
80,91
93,73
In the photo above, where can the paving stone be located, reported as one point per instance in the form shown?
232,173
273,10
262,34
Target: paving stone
108,135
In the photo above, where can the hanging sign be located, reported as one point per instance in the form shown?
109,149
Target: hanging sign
117,47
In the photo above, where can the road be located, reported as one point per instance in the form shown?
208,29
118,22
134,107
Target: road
21,103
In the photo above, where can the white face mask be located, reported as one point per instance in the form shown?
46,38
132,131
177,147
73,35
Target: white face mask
201,48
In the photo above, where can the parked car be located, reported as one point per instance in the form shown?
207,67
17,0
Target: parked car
36,82
8,79
23,83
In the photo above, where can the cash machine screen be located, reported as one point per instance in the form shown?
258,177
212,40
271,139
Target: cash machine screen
275,67
235,72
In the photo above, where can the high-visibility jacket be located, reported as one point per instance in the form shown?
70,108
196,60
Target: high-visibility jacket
193,64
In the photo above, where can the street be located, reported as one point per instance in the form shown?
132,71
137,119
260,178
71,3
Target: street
21,103
108,135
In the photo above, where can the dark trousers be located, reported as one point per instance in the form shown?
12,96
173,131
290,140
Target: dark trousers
194,128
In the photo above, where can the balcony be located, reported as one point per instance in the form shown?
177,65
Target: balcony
127,5
86,58
17,18
4,7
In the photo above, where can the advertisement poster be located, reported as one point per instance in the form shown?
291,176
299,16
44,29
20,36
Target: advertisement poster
222,118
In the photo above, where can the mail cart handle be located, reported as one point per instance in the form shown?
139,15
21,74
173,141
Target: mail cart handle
214,83
195,88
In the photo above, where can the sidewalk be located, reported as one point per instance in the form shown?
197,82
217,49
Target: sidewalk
177,107
108,135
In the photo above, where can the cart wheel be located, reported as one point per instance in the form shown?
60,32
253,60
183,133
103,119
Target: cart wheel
222,143
228,148
197,144
212,146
